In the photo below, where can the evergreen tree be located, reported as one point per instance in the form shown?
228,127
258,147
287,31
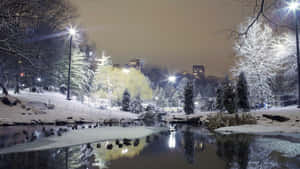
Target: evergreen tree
126,101
229,97
136,105
220,99
242,93
189,98
81,73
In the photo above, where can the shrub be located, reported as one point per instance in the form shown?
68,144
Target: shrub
221,120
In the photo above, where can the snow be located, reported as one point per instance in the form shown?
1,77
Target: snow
83,136
265,126
63,109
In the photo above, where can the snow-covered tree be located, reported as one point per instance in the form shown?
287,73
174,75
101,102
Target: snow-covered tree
189,98
242,93
256,58
110,82
285,49
136,105
81,73
126,101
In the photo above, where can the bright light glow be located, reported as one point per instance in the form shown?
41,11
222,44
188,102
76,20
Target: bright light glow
172,79
72,31
196,103
156,98
172,140
293,5
126,70
124,151
39,79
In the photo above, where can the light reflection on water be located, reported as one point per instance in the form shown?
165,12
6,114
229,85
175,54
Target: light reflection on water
172,140
188,147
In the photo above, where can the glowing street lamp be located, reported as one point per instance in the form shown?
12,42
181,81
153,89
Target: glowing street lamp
125,70
72,32
172,79
39,79
294,6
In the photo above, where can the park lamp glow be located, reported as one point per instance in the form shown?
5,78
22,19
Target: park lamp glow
125,70
39,79
72,31
293,5
172,79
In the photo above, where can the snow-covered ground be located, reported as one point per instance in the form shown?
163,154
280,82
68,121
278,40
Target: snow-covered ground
264,126
64,110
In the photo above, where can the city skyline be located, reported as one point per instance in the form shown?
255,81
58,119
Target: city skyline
171,34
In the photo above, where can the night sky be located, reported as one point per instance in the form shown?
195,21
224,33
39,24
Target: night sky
171,33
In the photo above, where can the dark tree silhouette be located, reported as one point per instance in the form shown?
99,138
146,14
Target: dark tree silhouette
126,101
189,98
242,93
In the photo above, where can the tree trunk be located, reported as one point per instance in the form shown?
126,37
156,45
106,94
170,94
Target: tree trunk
17,88
4,90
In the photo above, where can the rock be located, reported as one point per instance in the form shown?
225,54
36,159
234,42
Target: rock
117,141
99,145
136,142
276,117
109,146
6,101
126,142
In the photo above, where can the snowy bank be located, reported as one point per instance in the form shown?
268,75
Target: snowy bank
78,137
264,126
31,110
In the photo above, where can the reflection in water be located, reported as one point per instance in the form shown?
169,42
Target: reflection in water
234,150
172,140
197,149
189,145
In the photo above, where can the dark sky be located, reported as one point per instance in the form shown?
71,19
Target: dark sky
171,33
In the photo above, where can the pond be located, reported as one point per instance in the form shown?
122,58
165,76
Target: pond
187,148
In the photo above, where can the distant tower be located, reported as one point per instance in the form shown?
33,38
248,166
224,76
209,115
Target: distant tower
199,71
104,60
136,63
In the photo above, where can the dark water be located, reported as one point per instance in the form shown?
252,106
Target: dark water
187,148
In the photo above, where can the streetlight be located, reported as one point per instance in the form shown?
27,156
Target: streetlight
172,79
125,70
39,79
72,32
294,6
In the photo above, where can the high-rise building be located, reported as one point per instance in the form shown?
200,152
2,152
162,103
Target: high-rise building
199,71
136,63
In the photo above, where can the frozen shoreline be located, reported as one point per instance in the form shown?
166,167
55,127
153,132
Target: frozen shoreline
83,136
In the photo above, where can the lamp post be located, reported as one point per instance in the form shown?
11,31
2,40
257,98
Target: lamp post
72,32
172,79
294,6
